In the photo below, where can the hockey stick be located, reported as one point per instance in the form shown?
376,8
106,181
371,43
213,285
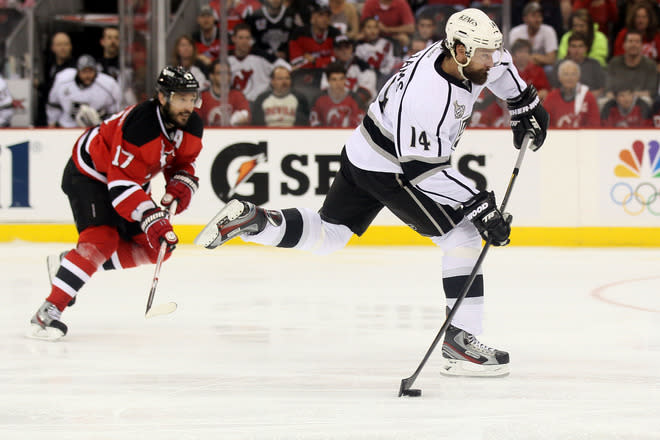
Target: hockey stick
165,308
404,389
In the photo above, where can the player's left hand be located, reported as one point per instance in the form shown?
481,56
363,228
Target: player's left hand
492,224
181,187
528,117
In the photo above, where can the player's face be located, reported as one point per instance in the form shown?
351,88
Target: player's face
180,106
480,64
61,46
337,84
87,76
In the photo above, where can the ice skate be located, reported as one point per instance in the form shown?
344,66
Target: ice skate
235,219
46,324
53,263
464,355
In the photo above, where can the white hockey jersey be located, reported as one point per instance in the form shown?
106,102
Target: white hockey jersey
251,74
66,96
415,123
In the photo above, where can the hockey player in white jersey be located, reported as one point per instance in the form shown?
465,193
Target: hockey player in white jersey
81,97
399,158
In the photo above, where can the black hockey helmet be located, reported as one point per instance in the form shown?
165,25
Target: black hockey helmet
176,79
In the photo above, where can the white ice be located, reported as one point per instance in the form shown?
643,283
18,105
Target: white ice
278,344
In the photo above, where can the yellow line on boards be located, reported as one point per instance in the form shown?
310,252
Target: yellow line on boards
387,235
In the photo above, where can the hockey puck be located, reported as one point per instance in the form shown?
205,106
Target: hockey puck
412,392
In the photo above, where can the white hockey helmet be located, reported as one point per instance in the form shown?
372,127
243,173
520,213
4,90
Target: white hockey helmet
474,29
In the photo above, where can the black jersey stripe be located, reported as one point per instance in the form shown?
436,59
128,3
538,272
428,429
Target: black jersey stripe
378,137
426,191
441,218
520,89
458,182
415,168
442,119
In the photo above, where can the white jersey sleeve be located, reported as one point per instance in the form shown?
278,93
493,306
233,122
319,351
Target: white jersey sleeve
504,80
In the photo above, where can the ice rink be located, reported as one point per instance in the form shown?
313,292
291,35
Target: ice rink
279,344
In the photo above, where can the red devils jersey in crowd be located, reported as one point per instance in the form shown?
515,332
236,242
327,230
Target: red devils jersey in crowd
330,113
320,46
209,48
237,10
211,110
564,115
535,75
638,117
378,54
130,148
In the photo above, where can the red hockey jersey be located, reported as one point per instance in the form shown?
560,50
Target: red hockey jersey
638,117
130,148
582,113
329,113
211,111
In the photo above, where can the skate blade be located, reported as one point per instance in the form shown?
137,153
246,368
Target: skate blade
452,367
208,238
44,334
161,309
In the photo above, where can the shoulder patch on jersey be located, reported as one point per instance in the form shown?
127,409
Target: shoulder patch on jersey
141,125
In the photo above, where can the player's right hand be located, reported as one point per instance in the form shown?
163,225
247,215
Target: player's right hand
157,227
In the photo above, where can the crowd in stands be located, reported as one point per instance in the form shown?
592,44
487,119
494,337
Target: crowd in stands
595,63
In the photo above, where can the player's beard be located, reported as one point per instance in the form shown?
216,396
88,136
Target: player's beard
179,120
478,77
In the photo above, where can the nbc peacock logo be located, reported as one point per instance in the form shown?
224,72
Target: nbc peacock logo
638,189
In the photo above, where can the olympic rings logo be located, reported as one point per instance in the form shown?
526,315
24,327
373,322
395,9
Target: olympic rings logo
635,201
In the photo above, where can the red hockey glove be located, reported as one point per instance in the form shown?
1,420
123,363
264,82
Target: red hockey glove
158,229
181,187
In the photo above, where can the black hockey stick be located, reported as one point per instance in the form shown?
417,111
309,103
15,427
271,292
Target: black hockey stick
169,307
404,389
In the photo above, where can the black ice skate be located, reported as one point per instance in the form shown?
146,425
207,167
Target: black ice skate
53,263
46,324
464,355
235,219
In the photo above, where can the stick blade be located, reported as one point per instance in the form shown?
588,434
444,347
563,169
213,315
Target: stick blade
160,310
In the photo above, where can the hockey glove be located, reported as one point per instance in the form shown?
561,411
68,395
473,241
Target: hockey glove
528,116
181,187
490,222
158,229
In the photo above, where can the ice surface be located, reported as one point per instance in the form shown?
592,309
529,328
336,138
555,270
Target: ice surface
279,344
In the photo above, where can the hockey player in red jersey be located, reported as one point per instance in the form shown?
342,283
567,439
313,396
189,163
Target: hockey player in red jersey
107,181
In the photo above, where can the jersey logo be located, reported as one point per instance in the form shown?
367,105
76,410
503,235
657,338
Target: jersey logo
459,110
241,79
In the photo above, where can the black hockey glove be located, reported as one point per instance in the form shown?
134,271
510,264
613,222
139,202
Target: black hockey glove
490,222
528,116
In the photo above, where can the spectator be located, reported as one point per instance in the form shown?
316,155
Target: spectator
521,53
592,73
425,28
394,19
281,106
571,105
656,112
271,27
490,111
109,60
555,13
311,47
604,13
375,50
207,37
185,55
360,77
336,107
237,11
81,97
597,44
632,68
643,19
626,111
212,111
250,67
6,104
344,16
59,58
542,37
